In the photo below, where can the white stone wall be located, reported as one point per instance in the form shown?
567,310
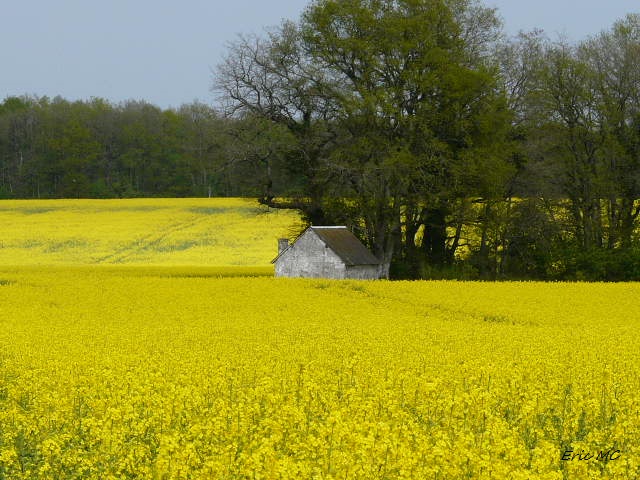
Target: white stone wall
310,258
362,272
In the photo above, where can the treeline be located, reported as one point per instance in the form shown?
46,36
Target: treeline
53,148
450,150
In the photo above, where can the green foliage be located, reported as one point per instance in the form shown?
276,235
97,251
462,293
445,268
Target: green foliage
603,265
55,148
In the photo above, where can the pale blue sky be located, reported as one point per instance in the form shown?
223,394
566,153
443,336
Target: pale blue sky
163,51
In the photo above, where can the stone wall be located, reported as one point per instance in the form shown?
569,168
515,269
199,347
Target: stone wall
362,272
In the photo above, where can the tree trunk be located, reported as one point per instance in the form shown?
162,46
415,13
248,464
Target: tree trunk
459,222
434,242
483,262
613,214
629,216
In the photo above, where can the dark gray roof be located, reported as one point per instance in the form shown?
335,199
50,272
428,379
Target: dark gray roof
346,245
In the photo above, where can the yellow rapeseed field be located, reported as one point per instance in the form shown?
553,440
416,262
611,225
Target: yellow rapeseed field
126,371
201,231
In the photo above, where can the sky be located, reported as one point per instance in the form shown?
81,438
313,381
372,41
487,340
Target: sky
164,51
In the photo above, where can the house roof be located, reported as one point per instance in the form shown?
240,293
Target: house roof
344,243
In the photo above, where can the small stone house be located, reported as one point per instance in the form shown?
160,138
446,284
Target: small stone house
326,252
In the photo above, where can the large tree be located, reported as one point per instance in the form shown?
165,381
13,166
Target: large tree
405,99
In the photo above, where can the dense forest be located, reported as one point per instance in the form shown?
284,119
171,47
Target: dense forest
450,149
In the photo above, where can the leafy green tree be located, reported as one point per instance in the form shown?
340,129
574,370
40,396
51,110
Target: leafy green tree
417,103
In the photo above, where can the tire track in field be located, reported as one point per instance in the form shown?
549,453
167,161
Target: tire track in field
146,242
